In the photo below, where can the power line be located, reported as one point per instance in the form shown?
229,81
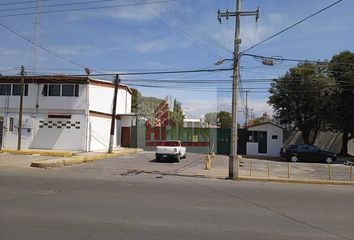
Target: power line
148,72
187,33
57,5
23,2
189,24
91,8
13,30
250,90
293,25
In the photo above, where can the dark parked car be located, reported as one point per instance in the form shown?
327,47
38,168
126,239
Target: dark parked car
306,153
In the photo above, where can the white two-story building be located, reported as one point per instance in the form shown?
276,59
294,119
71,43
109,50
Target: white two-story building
63,112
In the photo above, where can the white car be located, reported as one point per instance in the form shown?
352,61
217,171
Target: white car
171,149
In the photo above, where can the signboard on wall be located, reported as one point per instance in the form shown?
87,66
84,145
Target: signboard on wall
27,125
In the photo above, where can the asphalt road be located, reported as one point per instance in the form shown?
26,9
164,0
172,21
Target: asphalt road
99,200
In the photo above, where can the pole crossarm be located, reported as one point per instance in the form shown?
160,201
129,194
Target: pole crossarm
229,14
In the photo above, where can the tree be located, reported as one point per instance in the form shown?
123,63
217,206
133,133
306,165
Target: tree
265,118
224,119
211,118
136,95
341,68
176,116
301,98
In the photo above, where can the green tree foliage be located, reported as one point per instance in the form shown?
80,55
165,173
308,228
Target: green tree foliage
135,96
341,68
211,118
224,119
301,99
176,116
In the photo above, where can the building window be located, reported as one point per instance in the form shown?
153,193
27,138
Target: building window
65,90
5,89
70,90
11,127
45,90
54,90
16,90
274,136
76,91
59,116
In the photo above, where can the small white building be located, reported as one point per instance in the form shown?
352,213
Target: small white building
63,112
194,123
264,139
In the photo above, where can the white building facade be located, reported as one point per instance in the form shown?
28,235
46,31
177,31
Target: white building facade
63,113
264,139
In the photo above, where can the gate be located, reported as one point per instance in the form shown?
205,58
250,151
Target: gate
224,141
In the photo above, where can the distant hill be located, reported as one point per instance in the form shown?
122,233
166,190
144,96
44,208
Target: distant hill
144,106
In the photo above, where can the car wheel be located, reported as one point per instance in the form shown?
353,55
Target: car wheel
294,158
185,156
329,160
158,159
178,159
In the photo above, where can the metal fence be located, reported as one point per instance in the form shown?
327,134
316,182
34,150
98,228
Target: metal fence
278,169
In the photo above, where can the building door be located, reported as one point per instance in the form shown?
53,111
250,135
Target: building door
125,137
262,142
1,131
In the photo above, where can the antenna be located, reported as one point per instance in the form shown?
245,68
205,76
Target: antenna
35,38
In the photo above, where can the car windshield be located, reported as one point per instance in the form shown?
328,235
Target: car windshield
170,144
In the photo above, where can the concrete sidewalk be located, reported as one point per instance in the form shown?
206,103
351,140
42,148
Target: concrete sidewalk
83,157
41,152
301,173
64,158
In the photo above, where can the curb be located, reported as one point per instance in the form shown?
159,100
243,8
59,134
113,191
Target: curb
39,152
67,161
299,181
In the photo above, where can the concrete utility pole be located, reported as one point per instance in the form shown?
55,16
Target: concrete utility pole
233,160
113,122
21,108
246,117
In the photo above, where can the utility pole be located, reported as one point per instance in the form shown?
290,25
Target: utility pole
234,162
113,122
252,114
246,117
21,108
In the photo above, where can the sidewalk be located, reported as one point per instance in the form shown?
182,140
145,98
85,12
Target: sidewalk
84,157
66,158
253,169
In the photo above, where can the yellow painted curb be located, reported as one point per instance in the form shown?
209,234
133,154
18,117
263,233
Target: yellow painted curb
40,152
300,181
81,159
48,164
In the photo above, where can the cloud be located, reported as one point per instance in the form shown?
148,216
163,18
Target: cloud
83,50
135,13
260,106
196,108
153,46
8,52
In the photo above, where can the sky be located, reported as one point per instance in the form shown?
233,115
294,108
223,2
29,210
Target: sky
120,36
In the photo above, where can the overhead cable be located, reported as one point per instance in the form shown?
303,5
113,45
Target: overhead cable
293,25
